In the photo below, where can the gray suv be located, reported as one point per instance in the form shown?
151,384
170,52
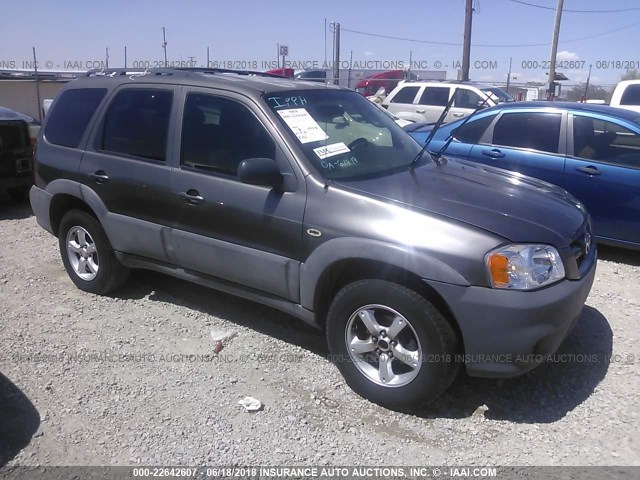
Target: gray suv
307,198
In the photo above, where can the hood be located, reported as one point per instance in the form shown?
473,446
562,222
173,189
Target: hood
514,206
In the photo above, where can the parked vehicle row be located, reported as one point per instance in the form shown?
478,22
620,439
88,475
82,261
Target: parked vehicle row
592,151
16,152
310,199
425,101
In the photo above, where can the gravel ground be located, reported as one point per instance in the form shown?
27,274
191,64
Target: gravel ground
65,401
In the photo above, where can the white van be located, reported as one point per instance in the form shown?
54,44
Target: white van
627,95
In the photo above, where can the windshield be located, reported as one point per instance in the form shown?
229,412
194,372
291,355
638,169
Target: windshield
498,94
343,134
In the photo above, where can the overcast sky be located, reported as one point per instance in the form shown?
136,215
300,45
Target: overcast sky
71,33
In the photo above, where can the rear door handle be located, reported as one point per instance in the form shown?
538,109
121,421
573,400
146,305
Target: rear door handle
458,114
100,176
192,196
590,170
421,111
493,153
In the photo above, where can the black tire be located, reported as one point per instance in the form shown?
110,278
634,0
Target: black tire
437,339
19,194
110,272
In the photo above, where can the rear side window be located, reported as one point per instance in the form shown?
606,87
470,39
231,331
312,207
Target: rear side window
71,114
539,131
438,96
471,131
405,95
631,95
137,123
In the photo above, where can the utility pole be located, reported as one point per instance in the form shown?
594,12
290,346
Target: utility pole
125,56
554,51
35,70
509,74
164,47
586,88
466,49
336,53
106,53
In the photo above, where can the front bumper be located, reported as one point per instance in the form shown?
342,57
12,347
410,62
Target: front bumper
507,333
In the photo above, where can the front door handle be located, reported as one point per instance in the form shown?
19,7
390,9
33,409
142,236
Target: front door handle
100,176
590,170
493,153
458,114
192,196
421,111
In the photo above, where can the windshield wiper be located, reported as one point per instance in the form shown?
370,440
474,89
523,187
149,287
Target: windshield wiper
436,157
433,131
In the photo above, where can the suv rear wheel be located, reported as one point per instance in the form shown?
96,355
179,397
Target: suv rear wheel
391,344
87,254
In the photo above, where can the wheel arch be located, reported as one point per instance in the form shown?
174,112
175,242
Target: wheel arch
345,261
68,195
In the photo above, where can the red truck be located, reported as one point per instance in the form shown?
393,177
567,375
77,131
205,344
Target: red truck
389,79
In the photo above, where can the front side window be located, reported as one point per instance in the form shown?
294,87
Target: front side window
137,123
71,114
464,98
342,134
436,96
405,95
218,134
538,131
607,142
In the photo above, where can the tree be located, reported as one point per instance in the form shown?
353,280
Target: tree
595,93
632,74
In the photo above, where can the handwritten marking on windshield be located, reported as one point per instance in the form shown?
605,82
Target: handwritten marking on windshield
279,102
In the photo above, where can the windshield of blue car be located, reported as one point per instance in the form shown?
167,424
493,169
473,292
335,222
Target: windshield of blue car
498,93
343,134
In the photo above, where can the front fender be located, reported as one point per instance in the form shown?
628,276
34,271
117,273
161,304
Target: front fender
350,248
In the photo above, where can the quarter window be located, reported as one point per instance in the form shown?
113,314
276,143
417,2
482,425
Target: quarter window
71,114
218,134
405,95
438,96
472,131
631,95
538,131
607,142
137,123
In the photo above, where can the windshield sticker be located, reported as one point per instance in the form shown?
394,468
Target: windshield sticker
331,150
280,102
303,125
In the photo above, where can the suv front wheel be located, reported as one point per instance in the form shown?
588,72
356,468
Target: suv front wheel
87,254
391,344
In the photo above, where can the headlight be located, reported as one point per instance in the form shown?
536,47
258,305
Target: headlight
524,267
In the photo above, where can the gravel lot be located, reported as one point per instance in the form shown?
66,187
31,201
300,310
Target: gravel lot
67,399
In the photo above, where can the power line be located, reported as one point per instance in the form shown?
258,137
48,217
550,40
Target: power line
454,44
544,7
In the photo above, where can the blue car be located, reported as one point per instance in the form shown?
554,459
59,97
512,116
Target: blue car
592,151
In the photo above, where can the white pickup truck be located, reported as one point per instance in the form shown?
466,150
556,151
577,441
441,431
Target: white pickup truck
627,95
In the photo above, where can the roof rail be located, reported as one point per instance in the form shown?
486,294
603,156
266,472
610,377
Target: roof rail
112,72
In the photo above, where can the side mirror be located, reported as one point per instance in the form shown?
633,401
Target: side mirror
260,171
